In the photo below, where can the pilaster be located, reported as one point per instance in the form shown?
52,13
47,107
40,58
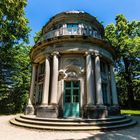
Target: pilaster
113,87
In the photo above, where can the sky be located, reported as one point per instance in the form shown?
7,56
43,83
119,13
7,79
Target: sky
39,12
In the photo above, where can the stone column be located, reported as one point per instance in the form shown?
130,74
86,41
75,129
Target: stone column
50,111
45,96
99,94
54,84
113,86
89,80
30,109
108,85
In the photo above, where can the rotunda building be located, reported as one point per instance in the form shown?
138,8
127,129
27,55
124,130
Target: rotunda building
72,70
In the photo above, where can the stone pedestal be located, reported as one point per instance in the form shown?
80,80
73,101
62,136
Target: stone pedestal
114,110
94,112
29,110
47,111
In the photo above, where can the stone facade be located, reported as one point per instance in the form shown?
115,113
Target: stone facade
72,74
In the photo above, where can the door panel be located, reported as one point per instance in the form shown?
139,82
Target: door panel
72,99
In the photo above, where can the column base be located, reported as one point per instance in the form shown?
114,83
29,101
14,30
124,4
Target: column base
29,110
94,111
114,110
47,111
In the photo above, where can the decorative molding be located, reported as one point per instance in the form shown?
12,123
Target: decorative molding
86,53
55,53
96,53
70,72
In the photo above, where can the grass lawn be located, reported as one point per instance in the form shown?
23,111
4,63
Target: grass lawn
130,112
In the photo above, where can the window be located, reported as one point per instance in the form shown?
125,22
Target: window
72,28
42,68
72,25
41,71
104,91
103,67
40,92
36,74
72,89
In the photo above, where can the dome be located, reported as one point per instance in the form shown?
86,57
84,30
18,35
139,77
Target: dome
74,11
72,17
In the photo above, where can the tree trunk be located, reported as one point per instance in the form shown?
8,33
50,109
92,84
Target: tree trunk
129,83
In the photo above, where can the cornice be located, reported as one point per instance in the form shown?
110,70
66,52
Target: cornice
71,38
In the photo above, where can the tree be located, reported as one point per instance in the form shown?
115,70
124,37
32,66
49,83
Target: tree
13,32
125,37
37,36
21,77
13,28
13,24
14,98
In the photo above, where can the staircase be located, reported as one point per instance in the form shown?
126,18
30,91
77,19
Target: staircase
78,124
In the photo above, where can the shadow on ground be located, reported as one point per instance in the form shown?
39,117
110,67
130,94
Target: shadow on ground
113,135
131,133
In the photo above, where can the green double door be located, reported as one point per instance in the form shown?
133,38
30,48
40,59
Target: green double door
71,98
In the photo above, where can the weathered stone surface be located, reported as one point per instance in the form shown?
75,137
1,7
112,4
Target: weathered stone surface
92,112
29,110
47,112
73,55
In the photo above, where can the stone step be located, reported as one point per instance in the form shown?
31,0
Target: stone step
72,128
32,117
81,123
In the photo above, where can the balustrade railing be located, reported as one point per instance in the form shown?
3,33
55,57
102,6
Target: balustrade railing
70,31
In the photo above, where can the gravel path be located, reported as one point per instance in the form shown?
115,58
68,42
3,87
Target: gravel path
10,132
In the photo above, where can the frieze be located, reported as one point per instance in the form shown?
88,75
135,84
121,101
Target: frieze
69,48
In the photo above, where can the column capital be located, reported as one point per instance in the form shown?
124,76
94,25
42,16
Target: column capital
34,64
55,53
47,57
97,54
87,53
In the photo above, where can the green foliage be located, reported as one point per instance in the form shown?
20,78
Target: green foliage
14,60
13,24
37,36
14,94
125,37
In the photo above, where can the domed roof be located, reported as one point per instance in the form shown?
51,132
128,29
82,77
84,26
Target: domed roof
82,15
75,11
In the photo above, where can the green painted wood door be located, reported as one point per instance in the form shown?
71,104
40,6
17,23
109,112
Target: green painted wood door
71,98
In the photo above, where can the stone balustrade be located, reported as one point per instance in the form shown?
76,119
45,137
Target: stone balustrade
70,31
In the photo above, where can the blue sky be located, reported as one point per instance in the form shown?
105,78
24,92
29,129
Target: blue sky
40,11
